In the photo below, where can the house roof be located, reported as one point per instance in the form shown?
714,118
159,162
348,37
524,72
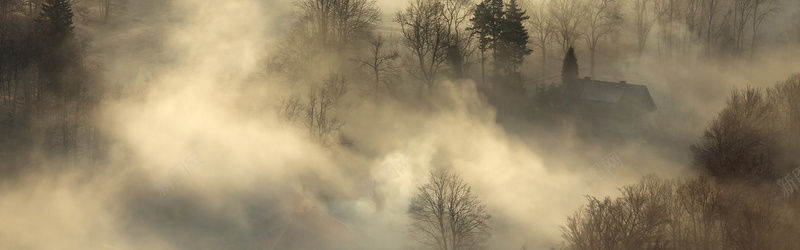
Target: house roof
603,91
617,99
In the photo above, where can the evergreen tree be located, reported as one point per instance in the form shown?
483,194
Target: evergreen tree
480,25
487,24
512,47
55,23
55,20
496,13
570,67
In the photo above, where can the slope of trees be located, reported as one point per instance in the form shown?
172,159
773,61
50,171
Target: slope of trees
46,94
692,214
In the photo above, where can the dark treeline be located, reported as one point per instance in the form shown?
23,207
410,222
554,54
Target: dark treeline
46,87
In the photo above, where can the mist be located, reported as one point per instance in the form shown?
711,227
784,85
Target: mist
196,153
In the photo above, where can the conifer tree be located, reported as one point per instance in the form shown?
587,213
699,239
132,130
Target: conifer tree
487,23
570,67
513,42
480,25
55,21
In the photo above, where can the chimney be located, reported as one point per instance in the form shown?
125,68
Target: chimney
623,82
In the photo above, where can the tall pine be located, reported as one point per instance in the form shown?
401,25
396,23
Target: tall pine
480,26
487,24
512,46
55,20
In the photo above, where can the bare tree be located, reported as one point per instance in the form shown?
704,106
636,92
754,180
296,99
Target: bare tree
461,40
643,23
543,30
668,13
289,108
793,27
380,62
742,13
568,17
762,9
446,215
710,9
321,115
426,34
105,8
602,17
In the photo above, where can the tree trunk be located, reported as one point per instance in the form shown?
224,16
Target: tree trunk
483,68
591,61
544,63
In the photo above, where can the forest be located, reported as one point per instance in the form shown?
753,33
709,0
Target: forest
412,124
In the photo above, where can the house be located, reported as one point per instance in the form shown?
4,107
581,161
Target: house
607,107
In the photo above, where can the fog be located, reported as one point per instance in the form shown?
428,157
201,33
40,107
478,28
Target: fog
190,98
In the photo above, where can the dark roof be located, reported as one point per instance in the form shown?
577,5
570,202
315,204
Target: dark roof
601,98
603,91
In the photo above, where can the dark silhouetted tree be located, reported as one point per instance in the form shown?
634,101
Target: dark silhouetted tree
570,67
480,25
740,143
456,61
487,24
56,22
